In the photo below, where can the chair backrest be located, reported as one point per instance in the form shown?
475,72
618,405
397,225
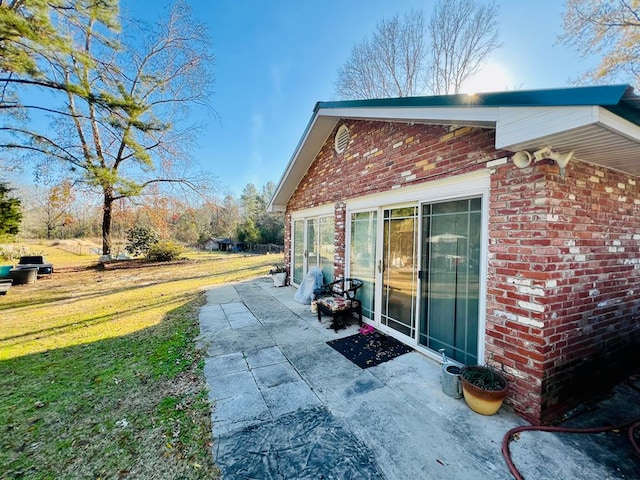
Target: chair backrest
347,287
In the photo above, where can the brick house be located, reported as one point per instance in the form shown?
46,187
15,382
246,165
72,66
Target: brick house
501,227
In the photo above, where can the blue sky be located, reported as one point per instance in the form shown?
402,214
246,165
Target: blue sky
275,59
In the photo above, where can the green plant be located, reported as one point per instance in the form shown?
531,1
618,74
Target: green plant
14,253
164,251
10,213
278,269
484,377
140,239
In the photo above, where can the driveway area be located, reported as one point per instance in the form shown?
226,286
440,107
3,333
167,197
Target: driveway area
288,406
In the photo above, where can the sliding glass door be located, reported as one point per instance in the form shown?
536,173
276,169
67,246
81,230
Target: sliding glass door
313,246
450,278
362,261
398,269
420,265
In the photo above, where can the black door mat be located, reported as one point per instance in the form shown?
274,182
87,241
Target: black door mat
369,350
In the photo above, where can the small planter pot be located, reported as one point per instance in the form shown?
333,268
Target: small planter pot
24,276
279,279
484,389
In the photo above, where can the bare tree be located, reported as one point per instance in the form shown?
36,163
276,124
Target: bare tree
225,218
391,64
607,28
403,58
124,98
56,206
463,34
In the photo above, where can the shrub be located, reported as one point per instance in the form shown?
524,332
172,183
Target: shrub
10,253
140,239
10,213
164,251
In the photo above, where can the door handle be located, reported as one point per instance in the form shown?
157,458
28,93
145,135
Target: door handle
379,266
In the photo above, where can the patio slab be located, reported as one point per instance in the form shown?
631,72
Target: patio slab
262,357
286,405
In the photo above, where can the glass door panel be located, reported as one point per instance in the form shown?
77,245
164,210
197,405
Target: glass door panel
450,267
362,264
298,251
399,269
311,244
326,247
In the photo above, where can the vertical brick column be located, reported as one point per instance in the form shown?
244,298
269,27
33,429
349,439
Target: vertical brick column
340,238
288,225
521,270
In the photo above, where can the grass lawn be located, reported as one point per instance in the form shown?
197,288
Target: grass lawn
99,374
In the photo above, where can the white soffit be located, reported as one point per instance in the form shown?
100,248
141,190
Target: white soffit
595,134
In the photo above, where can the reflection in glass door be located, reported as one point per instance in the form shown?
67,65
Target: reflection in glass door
399,268
362,262
313,246
326,247
298,251
450,271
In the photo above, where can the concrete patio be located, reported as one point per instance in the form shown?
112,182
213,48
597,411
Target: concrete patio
286,405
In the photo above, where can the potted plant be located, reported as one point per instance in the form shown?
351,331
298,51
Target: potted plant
279,275
484,388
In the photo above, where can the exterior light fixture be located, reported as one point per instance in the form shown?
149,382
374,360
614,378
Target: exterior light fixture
523,159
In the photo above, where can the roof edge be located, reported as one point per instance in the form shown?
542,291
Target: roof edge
606,95
618,98
271,206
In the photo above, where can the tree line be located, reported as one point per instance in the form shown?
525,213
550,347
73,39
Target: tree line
62,212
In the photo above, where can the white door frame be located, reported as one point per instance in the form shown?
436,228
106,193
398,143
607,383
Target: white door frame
380,273
305,215
476,184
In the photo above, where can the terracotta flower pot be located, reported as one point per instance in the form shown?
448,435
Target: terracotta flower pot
483,396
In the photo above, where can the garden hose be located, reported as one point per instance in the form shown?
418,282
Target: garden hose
631,427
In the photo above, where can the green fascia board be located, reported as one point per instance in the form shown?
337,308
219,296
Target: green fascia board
603,95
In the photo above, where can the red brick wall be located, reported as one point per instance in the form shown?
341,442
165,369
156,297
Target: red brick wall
563,281
382,156
564,284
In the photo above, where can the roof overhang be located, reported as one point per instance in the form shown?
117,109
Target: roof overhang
600,124
595,135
